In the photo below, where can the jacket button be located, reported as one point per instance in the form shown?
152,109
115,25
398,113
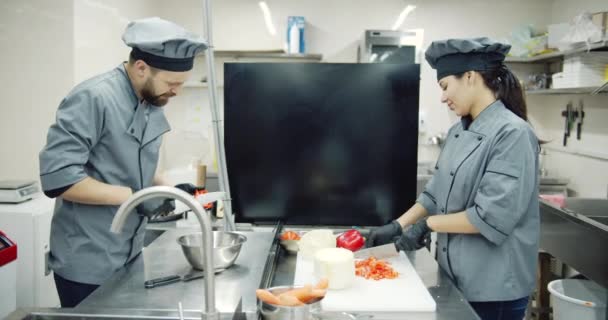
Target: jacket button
442,210
456,136
452,173
479,138
444,249
436,167
132,130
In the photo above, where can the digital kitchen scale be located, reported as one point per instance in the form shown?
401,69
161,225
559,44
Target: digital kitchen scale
16,191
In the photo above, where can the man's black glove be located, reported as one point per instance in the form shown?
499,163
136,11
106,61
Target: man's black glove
156,207
189,188
384,234
415,237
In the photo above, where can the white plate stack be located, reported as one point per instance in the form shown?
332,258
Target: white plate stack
584,70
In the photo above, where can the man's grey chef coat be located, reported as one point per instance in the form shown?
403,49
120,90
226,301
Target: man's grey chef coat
100,132
489,168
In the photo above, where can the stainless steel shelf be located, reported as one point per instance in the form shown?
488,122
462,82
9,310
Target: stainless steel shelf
267,54
194,84
275,55
580,90
602,89
558,54
598,155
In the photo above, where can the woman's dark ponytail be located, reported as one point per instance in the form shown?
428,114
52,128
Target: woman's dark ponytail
507,88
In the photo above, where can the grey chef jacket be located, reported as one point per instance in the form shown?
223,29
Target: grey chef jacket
104,132
488,168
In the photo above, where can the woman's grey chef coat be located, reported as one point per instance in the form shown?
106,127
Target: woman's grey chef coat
490,170
104,132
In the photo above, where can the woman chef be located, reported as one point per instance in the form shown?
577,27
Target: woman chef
483,198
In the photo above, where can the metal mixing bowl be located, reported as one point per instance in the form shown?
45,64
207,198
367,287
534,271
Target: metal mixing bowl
275,312
309,311
226,248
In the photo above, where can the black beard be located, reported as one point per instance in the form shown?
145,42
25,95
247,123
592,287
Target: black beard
148,94
157,100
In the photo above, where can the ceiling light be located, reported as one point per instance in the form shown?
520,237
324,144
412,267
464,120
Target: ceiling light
267,18
406,11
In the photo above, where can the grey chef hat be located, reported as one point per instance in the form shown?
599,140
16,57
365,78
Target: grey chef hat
456,56
163,44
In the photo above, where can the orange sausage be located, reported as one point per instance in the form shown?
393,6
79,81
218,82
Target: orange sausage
315,294
301,293
318,293
267,296
322,284
289,300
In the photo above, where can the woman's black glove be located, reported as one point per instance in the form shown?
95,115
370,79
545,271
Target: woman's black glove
384,234
417,236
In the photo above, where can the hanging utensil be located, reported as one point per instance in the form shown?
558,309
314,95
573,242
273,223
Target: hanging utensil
580,114
568,114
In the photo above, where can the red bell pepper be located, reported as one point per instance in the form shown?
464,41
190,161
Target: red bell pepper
351,240
199,192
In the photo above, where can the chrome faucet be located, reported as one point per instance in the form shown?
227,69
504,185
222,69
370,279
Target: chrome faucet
207,247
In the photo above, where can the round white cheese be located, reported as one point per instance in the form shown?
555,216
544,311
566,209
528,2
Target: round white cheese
337,265
316,240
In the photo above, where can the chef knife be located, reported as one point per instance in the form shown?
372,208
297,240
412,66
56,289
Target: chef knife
380,252
579,124
174,278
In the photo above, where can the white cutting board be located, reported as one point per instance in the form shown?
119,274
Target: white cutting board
406,293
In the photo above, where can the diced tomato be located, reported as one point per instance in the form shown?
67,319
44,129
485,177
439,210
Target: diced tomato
290,235
372,268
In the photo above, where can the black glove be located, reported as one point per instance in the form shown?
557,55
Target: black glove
417,236
383,235
189,188
156,207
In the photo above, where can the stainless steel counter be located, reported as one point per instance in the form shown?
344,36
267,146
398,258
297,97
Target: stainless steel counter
163,258
235,287
450,302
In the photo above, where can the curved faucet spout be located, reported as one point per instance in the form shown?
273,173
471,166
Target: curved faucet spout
204,221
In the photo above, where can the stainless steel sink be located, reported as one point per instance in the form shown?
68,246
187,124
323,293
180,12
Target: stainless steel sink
105,314
83,317
602,220
71,314
578,235
595,209
151,235
589,207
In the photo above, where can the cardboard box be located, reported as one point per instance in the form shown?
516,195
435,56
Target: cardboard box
600,19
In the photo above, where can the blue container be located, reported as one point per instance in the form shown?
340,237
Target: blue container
295,34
